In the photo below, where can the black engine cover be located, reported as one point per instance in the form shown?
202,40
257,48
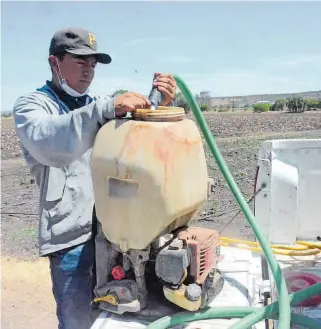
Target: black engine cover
171,264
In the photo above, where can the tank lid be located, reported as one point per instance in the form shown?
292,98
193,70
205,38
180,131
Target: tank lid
162,113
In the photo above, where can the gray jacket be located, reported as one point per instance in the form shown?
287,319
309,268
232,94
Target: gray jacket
57,144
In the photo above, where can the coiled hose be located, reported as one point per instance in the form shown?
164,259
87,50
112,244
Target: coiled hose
302,248
280,310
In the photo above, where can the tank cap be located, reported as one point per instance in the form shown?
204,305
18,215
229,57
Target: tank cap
162,114
193,292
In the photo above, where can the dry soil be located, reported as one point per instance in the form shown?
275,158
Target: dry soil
27,300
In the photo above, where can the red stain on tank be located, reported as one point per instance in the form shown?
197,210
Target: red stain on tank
136,135
163,154
165,150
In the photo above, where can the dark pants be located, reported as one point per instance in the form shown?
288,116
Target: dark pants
73,281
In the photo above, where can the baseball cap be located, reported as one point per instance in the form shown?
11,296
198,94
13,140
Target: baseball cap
77,41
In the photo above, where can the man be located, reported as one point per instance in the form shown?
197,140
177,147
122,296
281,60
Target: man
57,125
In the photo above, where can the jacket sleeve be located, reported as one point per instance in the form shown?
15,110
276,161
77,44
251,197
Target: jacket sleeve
59,140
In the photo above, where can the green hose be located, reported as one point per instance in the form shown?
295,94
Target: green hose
251,315
265,313
268,312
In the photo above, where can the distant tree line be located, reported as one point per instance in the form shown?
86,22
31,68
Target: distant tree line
290,104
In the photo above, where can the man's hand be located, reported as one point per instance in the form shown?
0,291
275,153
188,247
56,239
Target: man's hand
130,101
166,84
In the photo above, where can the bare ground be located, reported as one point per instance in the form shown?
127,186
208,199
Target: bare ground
27,301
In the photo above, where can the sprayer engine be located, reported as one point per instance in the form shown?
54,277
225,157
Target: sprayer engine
187,268
181,266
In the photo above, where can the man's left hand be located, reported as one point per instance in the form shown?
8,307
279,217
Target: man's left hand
166,84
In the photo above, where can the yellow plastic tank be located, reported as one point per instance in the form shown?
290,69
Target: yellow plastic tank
149,175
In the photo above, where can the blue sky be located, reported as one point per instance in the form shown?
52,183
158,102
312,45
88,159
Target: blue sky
227,48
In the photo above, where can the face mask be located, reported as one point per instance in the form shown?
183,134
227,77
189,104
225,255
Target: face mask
69,90
65,87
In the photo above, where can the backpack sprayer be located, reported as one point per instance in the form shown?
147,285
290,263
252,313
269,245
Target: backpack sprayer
280,310
148,185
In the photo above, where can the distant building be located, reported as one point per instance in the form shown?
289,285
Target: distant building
263,102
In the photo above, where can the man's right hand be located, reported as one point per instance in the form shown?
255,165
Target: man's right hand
130,101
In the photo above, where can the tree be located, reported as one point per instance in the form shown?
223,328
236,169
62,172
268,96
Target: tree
180,101
119,92
279,105
296,104
204,107
312,104
261,107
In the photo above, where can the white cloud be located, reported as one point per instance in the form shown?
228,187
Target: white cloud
245,82
291,62
223,83
297,73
